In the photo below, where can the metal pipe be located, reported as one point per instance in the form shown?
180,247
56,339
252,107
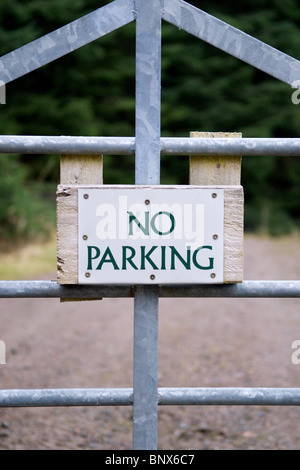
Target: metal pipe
229,396
64,145
51,289
147,171
240,146
168,145
246,289
64,40
166,396
66,397
145,371
231,40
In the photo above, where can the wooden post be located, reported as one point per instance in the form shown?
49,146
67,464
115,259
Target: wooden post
81,169
215,169
218,170
74,170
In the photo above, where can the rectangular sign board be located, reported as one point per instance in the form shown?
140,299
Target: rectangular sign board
139,235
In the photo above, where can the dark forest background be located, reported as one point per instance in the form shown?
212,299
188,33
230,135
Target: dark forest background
92,92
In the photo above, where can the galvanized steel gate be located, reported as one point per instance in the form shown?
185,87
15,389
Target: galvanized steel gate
147,147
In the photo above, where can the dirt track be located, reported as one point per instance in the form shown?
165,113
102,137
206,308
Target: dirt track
203,342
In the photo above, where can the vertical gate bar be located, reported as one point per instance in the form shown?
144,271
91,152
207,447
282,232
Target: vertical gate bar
147,171
148,84
145,394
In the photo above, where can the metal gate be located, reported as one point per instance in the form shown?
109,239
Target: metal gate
147,146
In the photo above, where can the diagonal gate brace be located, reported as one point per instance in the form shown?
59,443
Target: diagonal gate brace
232,40
65,40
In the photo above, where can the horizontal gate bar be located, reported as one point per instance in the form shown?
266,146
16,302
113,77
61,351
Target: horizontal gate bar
169,146
66,397
246,289
223,146
17,398
229,396
66,145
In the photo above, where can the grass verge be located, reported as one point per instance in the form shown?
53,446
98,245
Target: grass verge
29,262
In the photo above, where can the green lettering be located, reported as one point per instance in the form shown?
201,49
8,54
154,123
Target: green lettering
128,258
172,218
186,263
163,257
145,228
90,257
211,260
107,258
146,256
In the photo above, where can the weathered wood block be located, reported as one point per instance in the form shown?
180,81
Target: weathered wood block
215,169
74,169
224,170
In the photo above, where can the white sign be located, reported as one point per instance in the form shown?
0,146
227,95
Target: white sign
150,235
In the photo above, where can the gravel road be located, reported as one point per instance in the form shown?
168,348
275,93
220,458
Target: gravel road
202,342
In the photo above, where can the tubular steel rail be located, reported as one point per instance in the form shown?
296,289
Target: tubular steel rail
168,146
147,146
246,289
165,396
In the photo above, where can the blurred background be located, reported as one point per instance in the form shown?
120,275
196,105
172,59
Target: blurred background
91,92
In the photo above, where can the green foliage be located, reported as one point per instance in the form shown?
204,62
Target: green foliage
24,212
92,92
